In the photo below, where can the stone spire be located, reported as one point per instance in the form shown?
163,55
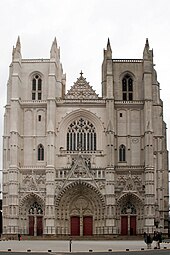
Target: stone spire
54,49
16,54
147,53
109,50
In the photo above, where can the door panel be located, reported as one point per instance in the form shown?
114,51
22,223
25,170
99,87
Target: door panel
39,226
132,225
75,226
87,226
124,225
31,225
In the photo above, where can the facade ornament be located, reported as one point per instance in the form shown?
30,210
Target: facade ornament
81,90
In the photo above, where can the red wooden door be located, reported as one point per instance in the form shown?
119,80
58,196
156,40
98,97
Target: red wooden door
39,226
75,226
31,225
132,225
124,225
87,226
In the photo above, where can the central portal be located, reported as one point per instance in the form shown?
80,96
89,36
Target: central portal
80,203
81,226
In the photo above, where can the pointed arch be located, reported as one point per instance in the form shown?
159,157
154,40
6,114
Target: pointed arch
79,201
30,198
81,135
127,87
88,117
80,186
40,151
129,196
122,153
36,83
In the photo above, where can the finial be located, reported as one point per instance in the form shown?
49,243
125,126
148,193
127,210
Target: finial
16,53
147,43
108,44
147,53
18,44
53,49
81,73
109,50
55,40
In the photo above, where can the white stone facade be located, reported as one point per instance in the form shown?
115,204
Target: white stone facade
78,164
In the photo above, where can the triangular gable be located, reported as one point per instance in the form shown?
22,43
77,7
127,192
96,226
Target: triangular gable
130,186
80,170
81,90
30,182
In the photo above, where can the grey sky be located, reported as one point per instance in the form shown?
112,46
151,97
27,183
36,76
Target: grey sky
82,28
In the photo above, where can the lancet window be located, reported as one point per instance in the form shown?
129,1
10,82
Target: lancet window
127,88
122,153
81,135
40,152
36,87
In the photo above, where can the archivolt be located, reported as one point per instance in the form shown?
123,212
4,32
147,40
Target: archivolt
84,114
126,196
30,197
75,185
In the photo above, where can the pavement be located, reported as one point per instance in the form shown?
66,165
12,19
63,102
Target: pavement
65,247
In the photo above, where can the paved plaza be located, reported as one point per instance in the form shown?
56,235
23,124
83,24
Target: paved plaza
64,246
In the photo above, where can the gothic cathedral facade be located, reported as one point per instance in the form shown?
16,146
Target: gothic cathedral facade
76,163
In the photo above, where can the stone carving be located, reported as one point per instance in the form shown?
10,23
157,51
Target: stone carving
101,184
81,90
80,169
33,182
59,185
135,140
129,182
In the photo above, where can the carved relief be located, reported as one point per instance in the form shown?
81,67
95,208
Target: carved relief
80,169
33,182
81,206
81,90
129,183
101,185
59,185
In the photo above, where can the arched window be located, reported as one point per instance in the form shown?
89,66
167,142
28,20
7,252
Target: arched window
127,88
35,208
36,87
81,135
122,153
40,152
128,208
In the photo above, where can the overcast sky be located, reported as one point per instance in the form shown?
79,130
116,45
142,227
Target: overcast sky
82,28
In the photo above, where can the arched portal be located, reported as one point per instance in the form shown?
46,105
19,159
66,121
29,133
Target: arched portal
130,211
31,215
80,210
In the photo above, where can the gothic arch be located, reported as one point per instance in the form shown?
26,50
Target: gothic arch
35,82
79,200
130,211
31,75
66,120
79,184
30,197
81,113
132,196
127,72
132,200
31,211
